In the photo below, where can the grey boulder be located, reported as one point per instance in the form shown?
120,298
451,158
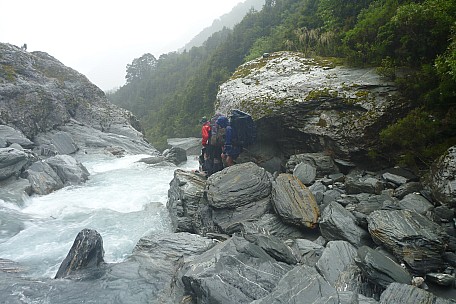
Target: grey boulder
411,237
87,252
241,273
380,269
12,162
70,171
294,202
337,223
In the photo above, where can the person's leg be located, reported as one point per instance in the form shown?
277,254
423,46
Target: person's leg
201,160
209,160
218,163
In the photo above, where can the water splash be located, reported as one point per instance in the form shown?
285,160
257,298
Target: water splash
123,200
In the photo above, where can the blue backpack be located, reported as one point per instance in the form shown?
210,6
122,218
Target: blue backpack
243,128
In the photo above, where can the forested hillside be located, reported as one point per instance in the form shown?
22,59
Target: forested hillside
411,42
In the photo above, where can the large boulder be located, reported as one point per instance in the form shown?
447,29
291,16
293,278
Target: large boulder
241,273
273,246
12,162
307,252
191,145
294,202
15,189
302,284
237,186
305,173
185,198
70,171
380,269
304,104
442,179
175,155
363,184
411,237
337,223
323,164
337,258
417,203
9,136
223,203
238,194
87,252
43,179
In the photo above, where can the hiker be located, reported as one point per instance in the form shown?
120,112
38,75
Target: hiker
230,152
205,153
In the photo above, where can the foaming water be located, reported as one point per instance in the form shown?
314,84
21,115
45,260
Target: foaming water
123,200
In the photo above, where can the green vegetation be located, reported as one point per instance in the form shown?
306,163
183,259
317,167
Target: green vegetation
411,42
8,72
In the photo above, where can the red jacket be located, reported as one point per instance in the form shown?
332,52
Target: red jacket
205,133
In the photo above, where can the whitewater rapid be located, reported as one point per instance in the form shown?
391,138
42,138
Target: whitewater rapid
123,200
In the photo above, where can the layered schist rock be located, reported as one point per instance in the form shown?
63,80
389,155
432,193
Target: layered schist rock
309,105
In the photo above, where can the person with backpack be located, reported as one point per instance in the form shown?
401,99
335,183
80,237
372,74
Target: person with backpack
214,147
230,151
205,134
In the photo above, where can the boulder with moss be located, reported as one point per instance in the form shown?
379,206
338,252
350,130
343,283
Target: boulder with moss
310,105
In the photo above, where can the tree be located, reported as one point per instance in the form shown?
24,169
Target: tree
418,32
141,68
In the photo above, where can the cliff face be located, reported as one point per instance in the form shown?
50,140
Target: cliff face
39,94
49,113
305,105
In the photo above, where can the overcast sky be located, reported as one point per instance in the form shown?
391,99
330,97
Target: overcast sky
99,38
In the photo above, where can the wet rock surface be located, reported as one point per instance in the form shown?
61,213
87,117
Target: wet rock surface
351,222
242,235
49,110
87,252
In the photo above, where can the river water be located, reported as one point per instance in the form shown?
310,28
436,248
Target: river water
123,200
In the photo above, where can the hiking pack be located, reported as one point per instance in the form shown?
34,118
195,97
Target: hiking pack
217,137
244,129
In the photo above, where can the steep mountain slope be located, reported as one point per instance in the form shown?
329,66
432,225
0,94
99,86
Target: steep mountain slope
228,20
39,95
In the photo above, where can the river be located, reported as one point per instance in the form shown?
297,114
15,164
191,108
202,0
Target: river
123,200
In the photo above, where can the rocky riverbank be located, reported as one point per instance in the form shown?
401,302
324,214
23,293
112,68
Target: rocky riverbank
281,227
361,233
311,235
48,114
